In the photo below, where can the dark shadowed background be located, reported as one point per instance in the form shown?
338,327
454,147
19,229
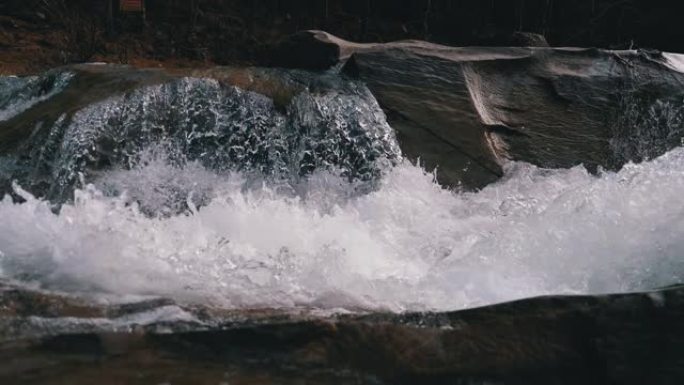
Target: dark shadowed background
239,31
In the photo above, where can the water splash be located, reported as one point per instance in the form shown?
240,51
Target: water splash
409,245
17,94
646,128
210,194
222,127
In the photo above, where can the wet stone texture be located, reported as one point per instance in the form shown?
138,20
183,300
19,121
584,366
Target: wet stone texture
279,124
467,110
619,339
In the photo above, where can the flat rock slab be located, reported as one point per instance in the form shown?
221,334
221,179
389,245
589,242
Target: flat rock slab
469,110
619,339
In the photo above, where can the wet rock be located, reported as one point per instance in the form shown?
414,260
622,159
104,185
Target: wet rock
551,107
468,110
268,122
618,339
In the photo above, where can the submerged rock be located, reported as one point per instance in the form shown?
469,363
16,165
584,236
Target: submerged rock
469,110
274,123
618,339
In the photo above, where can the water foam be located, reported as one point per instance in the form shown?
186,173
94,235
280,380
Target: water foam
19,94
409,245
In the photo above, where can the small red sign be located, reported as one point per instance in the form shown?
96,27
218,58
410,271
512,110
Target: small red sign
131,5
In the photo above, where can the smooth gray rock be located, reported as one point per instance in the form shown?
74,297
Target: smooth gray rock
469,110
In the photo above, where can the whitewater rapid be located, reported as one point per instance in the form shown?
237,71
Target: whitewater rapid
324,243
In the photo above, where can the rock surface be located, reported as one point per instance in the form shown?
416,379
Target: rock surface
469,110
619,339
76,121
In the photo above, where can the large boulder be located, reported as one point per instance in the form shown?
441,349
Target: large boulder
469,110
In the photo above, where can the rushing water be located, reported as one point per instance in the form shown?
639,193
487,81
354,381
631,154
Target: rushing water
239,238
408,245
19,94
